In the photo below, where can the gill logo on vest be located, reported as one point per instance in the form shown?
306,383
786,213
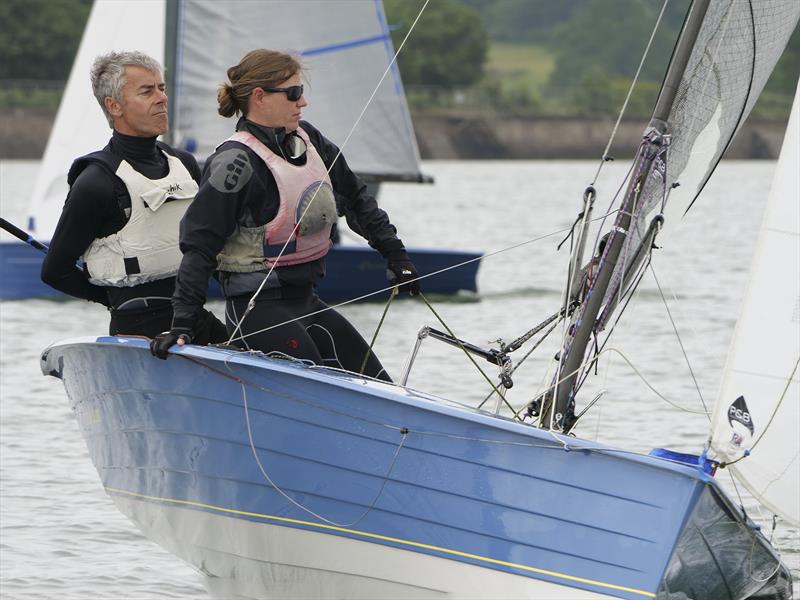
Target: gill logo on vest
235,169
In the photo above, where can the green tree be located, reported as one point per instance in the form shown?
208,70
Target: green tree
523,21
39,38
448,46
784,77
626,26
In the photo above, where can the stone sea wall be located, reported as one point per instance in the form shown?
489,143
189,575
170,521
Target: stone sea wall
472,135
453,135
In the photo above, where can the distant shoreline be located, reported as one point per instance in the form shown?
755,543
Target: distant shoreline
466,135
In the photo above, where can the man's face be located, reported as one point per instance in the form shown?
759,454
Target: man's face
143,110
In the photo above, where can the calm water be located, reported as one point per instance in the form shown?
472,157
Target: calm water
61,536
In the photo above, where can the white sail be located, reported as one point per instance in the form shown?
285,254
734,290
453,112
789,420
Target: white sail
758,409
346,47
80,126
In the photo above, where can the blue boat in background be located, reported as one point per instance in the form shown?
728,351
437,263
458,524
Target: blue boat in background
352,272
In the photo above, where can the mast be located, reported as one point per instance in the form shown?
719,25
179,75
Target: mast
557,410
678,62
171,65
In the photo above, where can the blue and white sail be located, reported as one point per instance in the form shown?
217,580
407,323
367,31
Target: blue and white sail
350,68
758,409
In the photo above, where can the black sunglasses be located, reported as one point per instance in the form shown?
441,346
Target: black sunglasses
293,93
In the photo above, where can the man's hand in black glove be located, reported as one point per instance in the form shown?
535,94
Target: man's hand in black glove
401,272
164,341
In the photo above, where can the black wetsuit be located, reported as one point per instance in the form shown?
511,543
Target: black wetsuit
98,205
325,338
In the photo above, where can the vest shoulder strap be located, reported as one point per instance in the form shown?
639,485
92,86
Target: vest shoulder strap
105,158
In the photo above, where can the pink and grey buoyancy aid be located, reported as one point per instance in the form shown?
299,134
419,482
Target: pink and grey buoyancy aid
306,214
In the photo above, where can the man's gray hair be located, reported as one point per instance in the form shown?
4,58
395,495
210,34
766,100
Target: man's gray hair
108,75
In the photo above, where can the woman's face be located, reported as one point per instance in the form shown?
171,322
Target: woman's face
274,109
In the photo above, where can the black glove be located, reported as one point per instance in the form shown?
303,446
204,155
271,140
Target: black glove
161,344
401,272
399,268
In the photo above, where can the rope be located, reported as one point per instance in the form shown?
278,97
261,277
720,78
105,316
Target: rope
680,342
325,408
377,329
403,432
595,358
252,303
388,288
771,417
605,156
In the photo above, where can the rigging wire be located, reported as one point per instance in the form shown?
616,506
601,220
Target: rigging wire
377,329
605,156
596,358
649,385
680,343
252,303
568,338
389,288
628,297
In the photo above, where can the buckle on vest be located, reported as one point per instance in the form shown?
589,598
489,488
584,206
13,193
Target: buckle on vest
132,265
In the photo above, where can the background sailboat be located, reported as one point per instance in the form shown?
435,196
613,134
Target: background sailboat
285,479
347,49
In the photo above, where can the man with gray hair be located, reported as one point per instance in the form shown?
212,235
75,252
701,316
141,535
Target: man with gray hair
122,213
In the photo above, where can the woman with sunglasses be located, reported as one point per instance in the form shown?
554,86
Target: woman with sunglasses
263,217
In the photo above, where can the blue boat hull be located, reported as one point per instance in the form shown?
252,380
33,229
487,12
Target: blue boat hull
353,271
298,453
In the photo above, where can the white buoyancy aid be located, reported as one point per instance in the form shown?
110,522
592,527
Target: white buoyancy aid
302,226
146,248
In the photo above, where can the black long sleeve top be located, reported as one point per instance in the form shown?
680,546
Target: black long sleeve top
254,201
95,208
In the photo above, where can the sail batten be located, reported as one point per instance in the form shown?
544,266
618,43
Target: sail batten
345,45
